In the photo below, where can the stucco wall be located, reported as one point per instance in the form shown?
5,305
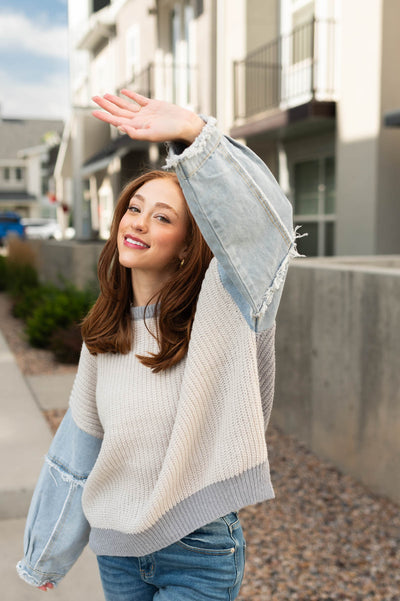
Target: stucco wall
338,377
73,261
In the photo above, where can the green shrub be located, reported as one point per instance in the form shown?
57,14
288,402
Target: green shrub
3,273
57,311
20,277
29,299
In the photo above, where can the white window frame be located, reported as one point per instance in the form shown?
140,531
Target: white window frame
320,218
132,40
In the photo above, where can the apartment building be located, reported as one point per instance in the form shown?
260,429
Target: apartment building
310,95
306,83
151,47
28,150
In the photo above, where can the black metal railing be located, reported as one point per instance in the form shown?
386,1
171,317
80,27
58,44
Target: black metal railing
291,67
173,82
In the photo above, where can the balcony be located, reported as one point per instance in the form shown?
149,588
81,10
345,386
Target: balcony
98,29
170,81
295,70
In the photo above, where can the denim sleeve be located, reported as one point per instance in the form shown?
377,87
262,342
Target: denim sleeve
244,217
56,530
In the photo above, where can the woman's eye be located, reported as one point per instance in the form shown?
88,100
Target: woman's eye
163,219
133,209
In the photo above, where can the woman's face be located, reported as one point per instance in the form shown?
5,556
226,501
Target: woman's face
152,233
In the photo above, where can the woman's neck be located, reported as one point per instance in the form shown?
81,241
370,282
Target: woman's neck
146,286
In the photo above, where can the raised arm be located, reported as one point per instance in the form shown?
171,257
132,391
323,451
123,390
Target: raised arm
237,203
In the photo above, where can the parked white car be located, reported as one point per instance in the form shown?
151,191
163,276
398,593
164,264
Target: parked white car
40,228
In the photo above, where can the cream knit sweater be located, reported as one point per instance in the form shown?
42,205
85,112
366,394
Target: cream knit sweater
181,447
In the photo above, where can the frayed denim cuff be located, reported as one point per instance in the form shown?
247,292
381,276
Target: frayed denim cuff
31,576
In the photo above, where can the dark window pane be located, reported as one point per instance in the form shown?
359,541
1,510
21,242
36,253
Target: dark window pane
306,179
6,173
99,4
45,185
329,239
330,186
198,7
302,35
309,244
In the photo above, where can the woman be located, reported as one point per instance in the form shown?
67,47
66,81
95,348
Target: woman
165,431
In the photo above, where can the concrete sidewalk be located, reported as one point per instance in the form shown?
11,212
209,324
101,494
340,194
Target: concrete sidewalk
24,440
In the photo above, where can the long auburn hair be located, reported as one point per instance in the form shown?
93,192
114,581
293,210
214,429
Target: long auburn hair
108,325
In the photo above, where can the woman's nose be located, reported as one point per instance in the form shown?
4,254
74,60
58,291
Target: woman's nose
140,223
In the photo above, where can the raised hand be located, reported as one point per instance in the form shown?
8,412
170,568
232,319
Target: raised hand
148,119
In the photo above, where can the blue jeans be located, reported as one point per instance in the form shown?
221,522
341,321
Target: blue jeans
207,564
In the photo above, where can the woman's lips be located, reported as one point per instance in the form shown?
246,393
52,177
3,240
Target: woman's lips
136,243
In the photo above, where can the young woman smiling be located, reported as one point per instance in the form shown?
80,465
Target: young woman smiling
164,440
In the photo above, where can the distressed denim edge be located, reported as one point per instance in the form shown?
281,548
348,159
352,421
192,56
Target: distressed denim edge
280,276
25,574
197,147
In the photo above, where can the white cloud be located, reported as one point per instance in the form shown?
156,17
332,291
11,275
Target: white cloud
17,32
49,99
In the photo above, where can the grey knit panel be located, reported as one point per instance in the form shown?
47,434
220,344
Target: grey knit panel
83,395
206,505
266,370
144,311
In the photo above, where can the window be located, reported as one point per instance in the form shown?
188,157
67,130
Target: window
44,185
314,205
6,173
18,173
183,49
302,26
99,4
132,51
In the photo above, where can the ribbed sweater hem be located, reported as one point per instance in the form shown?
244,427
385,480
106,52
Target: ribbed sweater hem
207,505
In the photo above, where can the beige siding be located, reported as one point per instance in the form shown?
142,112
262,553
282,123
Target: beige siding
262,22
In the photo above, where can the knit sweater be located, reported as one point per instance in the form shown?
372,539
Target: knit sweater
181,447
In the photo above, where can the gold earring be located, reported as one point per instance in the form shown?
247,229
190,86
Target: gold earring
182,262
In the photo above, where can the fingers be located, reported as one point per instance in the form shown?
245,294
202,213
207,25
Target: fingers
123,104
46,586
136,134
142,100
113,120
114,108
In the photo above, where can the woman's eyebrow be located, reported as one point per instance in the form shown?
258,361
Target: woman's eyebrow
162,205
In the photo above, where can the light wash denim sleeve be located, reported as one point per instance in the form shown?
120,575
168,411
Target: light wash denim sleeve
244,217
56,530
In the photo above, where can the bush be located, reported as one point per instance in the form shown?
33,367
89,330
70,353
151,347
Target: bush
3,273
20,278
58,310
30,298
51,313
20,268
21,252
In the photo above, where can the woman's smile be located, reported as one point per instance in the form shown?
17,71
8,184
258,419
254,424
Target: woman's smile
136,243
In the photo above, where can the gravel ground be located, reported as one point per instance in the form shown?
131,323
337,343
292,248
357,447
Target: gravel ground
324,538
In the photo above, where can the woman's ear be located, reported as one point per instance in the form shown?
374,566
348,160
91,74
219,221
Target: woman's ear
183,253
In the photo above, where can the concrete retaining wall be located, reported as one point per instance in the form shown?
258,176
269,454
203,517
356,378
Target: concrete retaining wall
338,365
70,260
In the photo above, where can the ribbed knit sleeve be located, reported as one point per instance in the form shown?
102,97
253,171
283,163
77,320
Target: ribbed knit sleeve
83,396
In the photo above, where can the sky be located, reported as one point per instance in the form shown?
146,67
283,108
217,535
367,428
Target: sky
34,58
